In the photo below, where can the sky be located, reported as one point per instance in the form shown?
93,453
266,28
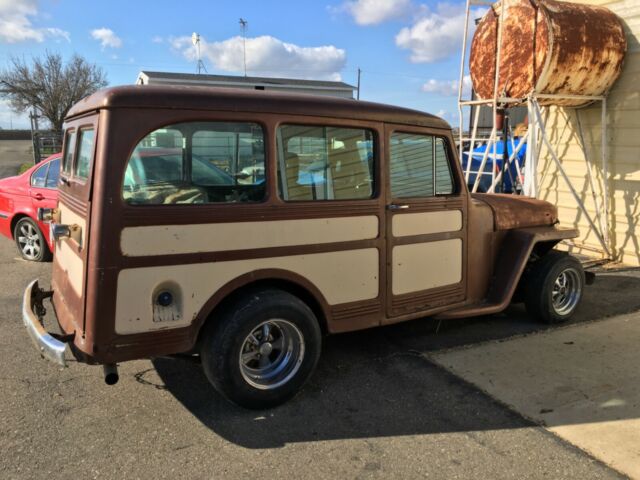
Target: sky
408,50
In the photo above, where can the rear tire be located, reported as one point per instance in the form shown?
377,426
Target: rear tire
30,241
554,287
262,349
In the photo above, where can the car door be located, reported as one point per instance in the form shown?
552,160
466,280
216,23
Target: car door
426,218
43,186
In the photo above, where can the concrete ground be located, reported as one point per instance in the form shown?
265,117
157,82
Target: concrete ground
582,382
14,153
377,407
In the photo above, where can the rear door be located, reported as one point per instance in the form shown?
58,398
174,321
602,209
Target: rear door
43,185
426,217
74,205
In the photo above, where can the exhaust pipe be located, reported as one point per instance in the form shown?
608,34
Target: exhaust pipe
111,376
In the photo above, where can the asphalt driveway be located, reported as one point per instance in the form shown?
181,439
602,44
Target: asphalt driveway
376,408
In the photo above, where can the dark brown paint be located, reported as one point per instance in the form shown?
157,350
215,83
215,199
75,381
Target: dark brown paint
126,114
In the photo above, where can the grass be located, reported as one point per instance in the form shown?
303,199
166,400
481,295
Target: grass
24,167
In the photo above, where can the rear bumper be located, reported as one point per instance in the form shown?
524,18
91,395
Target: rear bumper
51,346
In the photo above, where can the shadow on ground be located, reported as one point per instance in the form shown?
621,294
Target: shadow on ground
378,383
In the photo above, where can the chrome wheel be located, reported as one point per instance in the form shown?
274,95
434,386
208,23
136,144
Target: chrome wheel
271,354
29,241
567,290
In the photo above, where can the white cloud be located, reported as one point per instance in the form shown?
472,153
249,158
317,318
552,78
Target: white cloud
372,12
107,38
268,56
447,88
15,24
157,39
435,35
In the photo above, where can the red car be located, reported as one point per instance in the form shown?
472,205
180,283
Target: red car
20,198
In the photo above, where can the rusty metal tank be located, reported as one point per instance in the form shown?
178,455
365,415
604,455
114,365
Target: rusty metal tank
548,47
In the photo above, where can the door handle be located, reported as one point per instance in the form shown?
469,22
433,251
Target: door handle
38,196
394,206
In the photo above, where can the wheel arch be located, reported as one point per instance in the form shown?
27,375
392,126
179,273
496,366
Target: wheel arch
14,221
268,278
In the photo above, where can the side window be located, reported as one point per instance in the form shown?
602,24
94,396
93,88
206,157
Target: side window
419,166
197,162
85,153
444,178
411,165
38,178
325,163
69,150
54,174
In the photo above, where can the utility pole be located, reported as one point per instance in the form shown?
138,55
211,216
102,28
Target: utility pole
243,28
358,93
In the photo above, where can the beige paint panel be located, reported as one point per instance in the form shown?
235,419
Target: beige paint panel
421,266
69,217
344,276
220,237
423,223
72,265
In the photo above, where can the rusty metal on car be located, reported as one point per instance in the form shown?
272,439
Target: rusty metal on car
548,47
242,226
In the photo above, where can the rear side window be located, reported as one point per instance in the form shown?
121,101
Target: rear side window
196,163
39,177
419,166
325,163
54,174
85,154
69,150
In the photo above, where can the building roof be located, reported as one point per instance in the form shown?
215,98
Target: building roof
245,100
197,78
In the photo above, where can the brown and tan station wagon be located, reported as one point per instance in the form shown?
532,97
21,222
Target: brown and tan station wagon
244,225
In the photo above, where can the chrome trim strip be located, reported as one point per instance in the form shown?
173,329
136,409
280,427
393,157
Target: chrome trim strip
49,347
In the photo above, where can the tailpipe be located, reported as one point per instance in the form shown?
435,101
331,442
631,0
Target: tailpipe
111,376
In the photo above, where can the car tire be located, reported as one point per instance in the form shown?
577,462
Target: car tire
554,287
262,349
30,241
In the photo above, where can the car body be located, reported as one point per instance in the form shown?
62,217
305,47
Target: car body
322,215
22,195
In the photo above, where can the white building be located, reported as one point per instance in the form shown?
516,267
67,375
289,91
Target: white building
315,87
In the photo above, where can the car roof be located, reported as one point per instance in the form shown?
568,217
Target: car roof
259,101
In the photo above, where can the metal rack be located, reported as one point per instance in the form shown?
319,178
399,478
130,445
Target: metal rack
536,139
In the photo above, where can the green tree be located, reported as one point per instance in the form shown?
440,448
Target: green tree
49,85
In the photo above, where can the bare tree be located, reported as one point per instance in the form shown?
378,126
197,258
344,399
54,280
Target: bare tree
49,85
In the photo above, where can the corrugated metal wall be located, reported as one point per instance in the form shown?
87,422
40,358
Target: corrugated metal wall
624,152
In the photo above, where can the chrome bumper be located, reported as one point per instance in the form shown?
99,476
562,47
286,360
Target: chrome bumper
49,347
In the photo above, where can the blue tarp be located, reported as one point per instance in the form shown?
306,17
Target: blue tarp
494,160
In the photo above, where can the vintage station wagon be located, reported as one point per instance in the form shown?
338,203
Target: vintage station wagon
244,225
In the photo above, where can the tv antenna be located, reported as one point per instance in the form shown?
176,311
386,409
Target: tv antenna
195,39
243,28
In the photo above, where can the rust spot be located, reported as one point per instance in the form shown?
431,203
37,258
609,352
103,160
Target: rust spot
585,57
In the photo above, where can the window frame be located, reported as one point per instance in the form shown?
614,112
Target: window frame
68,132
83,180
266,139
374,127
46,166
457,188
49,172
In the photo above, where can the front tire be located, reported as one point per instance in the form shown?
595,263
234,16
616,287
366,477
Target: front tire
30,241
554,287
262,349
